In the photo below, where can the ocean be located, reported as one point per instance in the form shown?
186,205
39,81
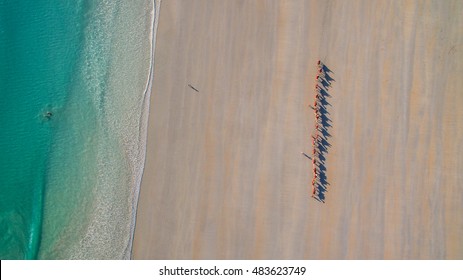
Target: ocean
73,111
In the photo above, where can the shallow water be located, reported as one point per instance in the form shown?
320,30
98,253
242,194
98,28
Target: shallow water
72,87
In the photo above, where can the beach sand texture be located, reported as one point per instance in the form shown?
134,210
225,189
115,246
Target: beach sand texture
224,175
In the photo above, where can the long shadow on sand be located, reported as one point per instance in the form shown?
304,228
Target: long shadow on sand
322,144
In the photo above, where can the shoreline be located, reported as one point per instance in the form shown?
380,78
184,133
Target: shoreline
101,224
144,120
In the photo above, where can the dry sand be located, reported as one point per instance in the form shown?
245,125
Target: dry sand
224,175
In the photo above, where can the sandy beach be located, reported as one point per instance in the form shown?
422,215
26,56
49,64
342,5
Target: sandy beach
224,176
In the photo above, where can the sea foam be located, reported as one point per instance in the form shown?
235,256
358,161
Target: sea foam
99,145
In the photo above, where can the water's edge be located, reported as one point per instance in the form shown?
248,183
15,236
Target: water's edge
143,132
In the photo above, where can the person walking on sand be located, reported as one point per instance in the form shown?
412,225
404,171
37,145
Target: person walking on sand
307,156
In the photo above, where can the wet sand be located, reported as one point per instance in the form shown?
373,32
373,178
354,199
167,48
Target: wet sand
224,175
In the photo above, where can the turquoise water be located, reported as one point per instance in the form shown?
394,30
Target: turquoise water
73,77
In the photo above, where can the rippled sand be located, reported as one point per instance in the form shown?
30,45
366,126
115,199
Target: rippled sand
224,175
